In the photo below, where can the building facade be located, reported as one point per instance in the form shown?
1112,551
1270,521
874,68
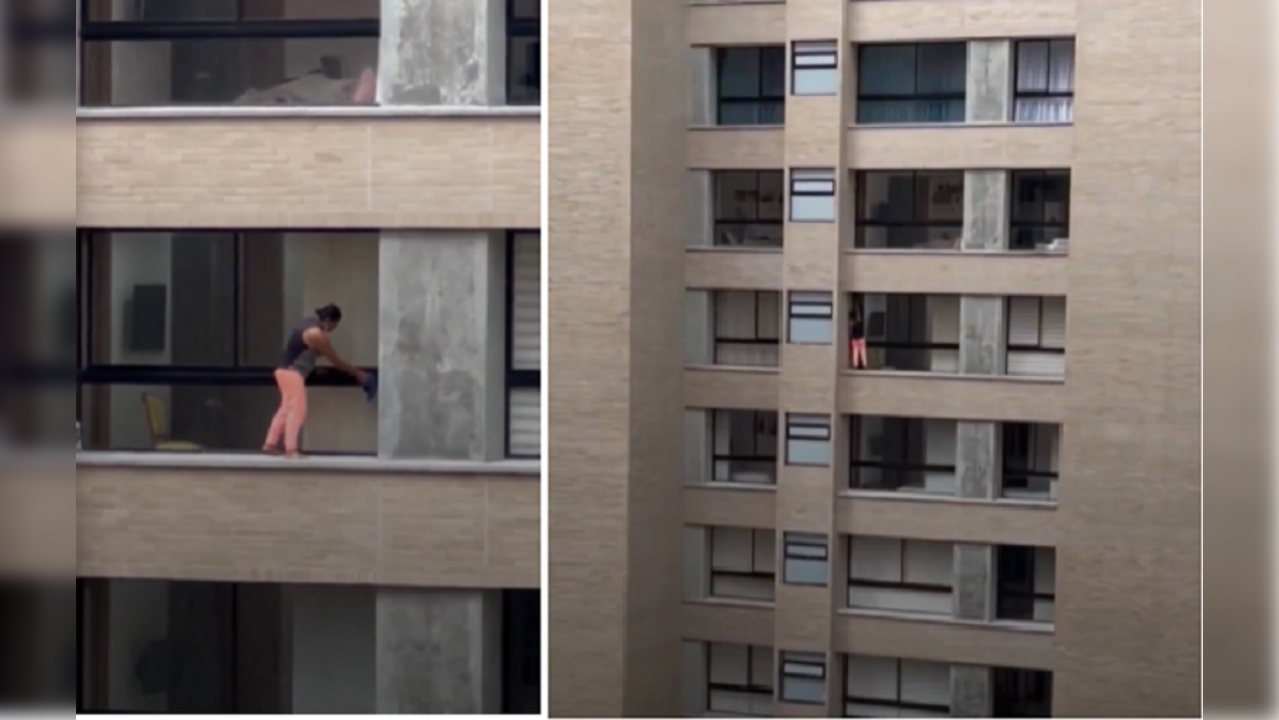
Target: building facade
991,507
239,165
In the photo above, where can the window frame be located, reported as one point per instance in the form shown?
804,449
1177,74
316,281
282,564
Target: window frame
1014,188
863,222
808,175
791,550
900,704
825,56
1032,431
1039,347
1020,704
1047,93
758,417
754,574
785,658
522,28
796,422
805,305
759,338
92,374
719,221
515,379
761,98
750,688
912,299
856,464
853,581
914,95
1005,590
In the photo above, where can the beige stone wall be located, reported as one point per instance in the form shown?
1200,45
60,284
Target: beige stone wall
309,526
294,172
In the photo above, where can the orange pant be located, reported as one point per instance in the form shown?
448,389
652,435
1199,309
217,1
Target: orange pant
291,416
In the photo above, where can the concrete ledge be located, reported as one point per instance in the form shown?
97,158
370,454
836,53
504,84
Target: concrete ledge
320,464
942,639
273,111
740,623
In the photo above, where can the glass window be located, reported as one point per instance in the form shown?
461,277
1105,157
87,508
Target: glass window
904,210
812,318
227,52
524,52
1045,87
917,83
908,455
749,209
184,331
745,447
812,195
803,678
808,440
815,68
909,333
751,85
1040,210
747,328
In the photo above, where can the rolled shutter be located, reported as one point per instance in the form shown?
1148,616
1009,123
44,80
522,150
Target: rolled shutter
525,423
1023,322
526,306
1054,323
925,683
872,678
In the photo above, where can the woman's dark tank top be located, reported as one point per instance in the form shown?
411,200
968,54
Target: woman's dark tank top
297,356
857,330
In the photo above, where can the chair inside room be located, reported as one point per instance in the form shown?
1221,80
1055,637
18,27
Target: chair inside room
158,423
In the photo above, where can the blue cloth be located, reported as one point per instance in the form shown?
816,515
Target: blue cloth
370,387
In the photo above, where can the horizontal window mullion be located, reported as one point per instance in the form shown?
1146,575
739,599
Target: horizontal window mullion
913,97
524,379
265,29
1037,349
923,224
887,345
892,704
873,465
884,585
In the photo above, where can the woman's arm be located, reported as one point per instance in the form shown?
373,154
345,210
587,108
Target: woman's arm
318,341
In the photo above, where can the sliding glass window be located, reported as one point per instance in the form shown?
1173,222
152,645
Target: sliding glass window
183,331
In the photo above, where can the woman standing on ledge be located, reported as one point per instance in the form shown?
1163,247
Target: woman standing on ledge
856,338
306,345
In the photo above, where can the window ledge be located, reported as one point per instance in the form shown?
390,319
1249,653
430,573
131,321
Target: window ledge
267,463
729,250
731,487
957,253
1005,625
873,495
274,112
725,603
954,376
957,125
737,369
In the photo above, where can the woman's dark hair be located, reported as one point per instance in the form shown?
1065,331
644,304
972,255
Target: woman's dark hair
329,313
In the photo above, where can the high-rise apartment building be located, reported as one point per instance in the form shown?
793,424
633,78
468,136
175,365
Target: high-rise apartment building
241,163
991,506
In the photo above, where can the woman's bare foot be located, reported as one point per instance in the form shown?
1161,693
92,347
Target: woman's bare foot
272,451
295,455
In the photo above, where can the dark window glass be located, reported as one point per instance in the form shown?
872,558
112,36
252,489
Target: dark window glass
902,210
1045,85
907,84
749,209
1040,208
751,85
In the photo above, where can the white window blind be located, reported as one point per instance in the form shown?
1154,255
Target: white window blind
930,563
1045,570
525,423
925,683
1054,323
731,550
872,678
526,289
875,559
1023,322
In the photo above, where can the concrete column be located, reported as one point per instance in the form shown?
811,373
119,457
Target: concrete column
699,323
442,344
982,336
701,88
442,52
989,80
974,593
978,460
701,208
970,691
985,210
439,652
697,447
695,697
